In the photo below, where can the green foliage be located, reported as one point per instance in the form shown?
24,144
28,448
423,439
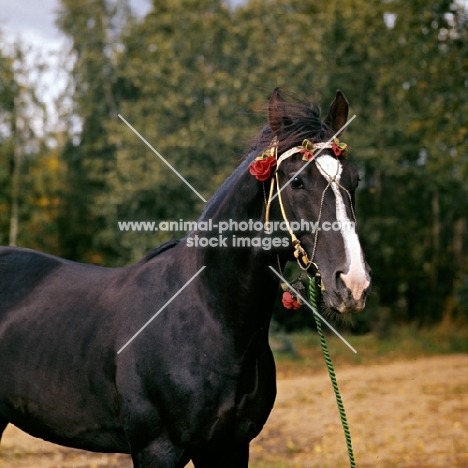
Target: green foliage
192,77
22,114
7,92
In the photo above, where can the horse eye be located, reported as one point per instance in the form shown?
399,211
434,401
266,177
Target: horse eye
296,183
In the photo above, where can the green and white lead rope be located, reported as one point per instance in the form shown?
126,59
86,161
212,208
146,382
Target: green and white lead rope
313,294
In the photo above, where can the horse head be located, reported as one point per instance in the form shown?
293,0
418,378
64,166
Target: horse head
314,183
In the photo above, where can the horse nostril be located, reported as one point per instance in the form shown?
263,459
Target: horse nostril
339,282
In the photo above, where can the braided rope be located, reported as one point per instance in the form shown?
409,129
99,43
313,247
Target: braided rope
313,294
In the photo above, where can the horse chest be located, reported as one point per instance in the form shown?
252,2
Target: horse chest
243,411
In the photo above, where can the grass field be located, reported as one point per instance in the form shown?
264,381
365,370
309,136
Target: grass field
404,343
406,398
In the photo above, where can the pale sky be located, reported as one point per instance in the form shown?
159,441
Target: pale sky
33,21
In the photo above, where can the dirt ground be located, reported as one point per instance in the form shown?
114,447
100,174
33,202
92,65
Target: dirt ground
407,414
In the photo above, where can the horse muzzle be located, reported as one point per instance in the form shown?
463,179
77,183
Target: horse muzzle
347,295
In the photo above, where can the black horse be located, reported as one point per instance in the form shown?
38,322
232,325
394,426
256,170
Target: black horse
198,383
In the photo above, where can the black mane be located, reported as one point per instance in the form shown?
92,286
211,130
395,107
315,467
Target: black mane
303,121
160,249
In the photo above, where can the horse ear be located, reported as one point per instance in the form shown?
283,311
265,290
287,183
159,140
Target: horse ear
276,111
338,112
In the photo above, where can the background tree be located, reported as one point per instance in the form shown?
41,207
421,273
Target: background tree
22,117
192,77
93,27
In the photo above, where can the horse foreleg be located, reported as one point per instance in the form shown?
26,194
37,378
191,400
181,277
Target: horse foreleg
225,457
159,454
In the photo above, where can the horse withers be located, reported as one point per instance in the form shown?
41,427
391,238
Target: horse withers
198,383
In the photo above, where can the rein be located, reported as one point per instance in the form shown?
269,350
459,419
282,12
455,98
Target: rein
302,258
314,293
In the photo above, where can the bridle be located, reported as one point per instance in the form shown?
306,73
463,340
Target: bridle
308,150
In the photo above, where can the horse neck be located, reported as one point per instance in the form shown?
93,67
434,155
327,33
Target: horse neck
241,287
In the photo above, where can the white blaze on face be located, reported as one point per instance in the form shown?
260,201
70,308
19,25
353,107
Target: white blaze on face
355,278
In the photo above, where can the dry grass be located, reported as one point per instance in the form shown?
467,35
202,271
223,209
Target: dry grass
406,398
406,414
